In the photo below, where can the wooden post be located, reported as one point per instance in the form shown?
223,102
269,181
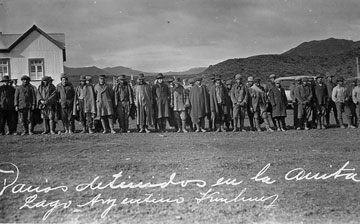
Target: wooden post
357,67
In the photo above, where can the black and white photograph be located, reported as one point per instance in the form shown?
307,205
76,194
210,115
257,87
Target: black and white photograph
180,111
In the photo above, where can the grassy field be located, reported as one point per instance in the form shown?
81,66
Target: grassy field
216,170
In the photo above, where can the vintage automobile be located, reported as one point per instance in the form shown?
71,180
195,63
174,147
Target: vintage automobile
287,82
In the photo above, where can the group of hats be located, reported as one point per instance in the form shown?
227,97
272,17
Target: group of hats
6,78
85,77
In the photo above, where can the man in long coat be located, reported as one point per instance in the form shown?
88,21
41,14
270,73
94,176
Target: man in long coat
239,98
123,102
278,100
144,106
46,105
85,104
179,101
105,104
303,96
161,96
65,94
7,94
320,98
259,102
218,104
250,113
25,102
199,104
330,84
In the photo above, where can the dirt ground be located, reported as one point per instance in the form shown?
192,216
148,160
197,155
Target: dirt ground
199,161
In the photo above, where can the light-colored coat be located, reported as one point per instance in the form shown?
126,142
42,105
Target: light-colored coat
179,99
356,95
104,100
89,98
143,103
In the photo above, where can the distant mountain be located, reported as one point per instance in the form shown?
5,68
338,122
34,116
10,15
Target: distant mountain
93,70
119,70
75,73
191,71
326,47
113,72
332,56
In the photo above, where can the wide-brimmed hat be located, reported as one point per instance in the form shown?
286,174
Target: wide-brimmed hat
122,77
88,78
45,78
25,77
272,76
340,79
141,76
82,78
217,77
102,76
160,76
191,80
257,79
250,79
319,77
298,79
304,79
5,78
238,77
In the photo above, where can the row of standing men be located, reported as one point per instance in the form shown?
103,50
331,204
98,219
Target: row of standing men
223,104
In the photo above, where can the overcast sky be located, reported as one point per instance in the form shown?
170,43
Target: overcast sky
164,35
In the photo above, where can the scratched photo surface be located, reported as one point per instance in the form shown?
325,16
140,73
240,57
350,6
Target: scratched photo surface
243,177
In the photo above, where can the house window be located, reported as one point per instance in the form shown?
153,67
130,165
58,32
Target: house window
36,69
4,67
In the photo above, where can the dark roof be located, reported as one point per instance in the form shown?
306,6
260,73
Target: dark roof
10,41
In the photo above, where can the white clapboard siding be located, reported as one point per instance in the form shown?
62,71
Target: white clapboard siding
36,46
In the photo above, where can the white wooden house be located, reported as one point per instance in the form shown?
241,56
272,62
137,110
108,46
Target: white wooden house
34,53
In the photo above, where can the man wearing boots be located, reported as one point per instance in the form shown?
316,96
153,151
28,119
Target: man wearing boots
330,84
303,96
278,100
104,104
338,96
239,98
47,107
321,98
259,103
250,113
218,106
199,104
25,101
144,106
85,104
65,94
161,95
179,102
7,116
123,101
